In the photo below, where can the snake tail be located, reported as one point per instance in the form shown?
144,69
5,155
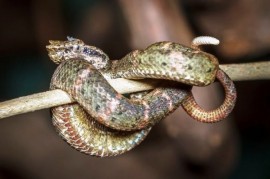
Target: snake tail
196,112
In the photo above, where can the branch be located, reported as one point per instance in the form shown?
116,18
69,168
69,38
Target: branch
248,71
237,72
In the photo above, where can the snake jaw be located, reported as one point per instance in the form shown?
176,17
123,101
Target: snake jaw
56,57
55,51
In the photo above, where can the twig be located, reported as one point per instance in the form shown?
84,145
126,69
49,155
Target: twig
248,71
58,97
237,72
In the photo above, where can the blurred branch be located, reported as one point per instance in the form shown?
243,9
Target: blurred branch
155,20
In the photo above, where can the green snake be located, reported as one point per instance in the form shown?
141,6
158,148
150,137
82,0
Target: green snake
105,123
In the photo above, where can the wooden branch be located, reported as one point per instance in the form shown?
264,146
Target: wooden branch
237,72
248,71
58,97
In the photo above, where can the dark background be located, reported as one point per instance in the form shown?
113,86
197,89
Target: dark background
178,147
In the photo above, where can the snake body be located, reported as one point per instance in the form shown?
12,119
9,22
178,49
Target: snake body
88,136
168,60
107,123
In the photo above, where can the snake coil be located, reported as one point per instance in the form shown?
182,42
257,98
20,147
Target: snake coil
106,123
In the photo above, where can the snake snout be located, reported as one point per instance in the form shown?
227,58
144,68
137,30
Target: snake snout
55,55
54,42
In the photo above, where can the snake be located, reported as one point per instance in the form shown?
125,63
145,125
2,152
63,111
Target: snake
103,122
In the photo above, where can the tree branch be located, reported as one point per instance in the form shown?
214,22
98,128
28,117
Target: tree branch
237,72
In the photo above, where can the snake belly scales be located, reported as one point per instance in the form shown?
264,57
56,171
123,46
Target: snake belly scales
105,123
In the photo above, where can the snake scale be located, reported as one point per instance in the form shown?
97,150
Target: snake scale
105,123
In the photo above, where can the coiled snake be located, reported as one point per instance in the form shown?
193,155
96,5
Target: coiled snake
105,123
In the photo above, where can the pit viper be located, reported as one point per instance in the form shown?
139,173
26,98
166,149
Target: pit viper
103,122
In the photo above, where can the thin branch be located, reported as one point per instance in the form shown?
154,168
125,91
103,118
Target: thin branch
237,72
58,97
248,71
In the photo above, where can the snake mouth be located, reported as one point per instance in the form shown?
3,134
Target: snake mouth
50,48
54,55
54,50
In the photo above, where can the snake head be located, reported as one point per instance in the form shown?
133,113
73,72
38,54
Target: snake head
60,51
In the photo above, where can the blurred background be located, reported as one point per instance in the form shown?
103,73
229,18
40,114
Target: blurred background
178,147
